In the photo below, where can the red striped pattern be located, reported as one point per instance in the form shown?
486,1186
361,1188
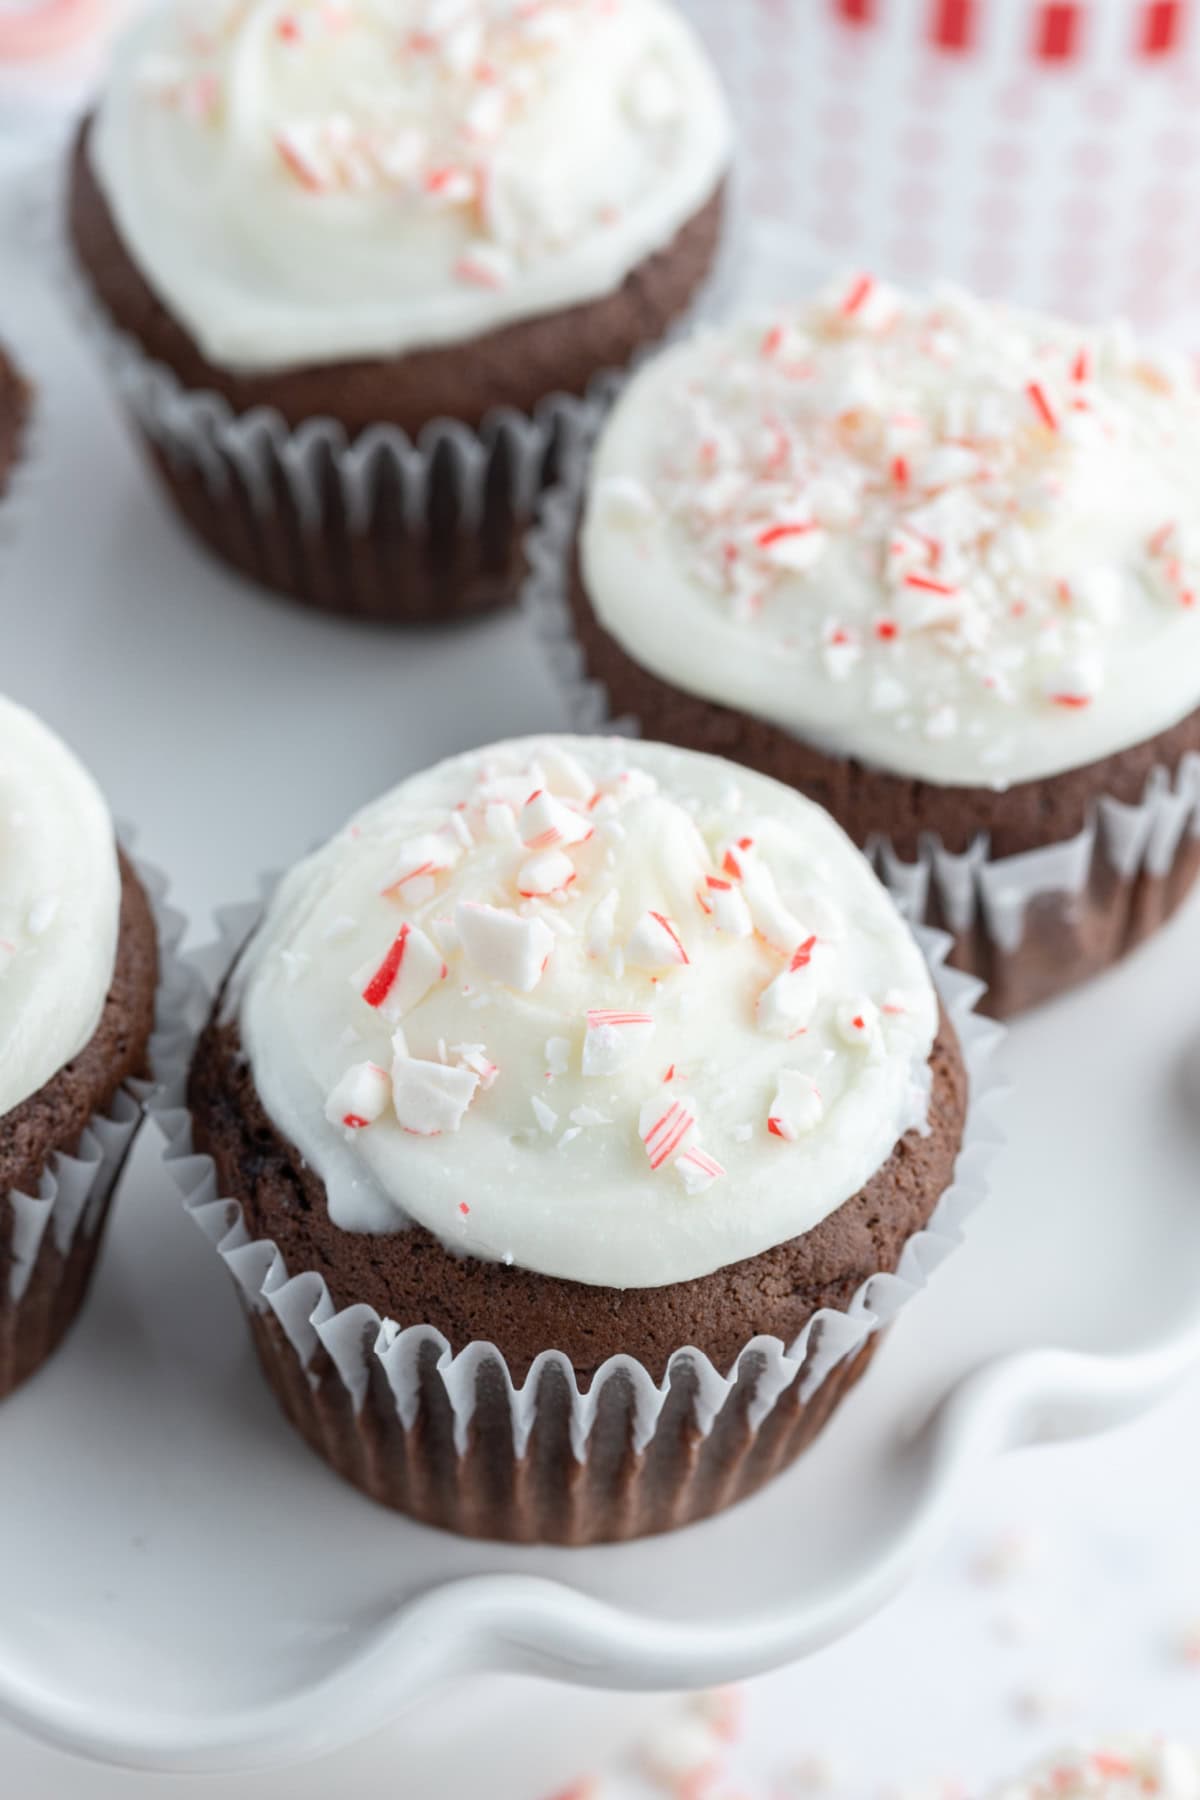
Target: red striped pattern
1058,31
668,1133
953,24
1161,27
1058,25
384,978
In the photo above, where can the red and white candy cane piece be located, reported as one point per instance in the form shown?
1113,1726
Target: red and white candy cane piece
46,28
305,156
1076,681
476,1058
565,774
485,265
726,906
797,1107
787,1004
360,1097
430,1097
866,303
857,1024
411,967
546,875
547,823
697,1169
419,861
504,946
655,943
1174,565
666,1124
795,545
449,186
1042,406
613,1039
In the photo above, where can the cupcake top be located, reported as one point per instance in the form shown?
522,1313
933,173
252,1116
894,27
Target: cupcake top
60,901
1132,1769
605,1010
954,541
309,181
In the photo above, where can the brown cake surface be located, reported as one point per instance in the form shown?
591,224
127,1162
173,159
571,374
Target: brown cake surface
410,1277
14,411
53,1118
865,801
517,366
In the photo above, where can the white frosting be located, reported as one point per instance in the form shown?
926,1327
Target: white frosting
1131,1769
60,903
957,542
610,1011
316,180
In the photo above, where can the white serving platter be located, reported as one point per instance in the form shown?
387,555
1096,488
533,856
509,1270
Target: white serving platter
186,1587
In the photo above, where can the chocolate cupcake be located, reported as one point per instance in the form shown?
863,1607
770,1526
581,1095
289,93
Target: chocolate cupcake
364,267
14,413
935,564
572,1100
78,975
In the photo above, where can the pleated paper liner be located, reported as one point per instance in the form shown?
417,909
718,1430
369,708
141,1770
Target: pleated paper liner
49,1240
454,1441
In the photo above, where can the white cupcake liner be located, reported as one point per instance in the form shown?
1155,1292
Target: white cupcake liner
969,892
357,1340
75,1186
972,888
285,471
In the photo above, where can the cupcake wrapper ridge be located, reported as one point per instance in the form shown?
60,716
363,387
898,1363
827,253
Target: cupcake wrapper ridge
380,525
50,1239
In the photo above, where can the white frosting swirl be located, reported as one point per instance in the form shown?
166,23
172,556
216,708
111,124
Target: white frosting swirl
610,1011
60,904
314,180
957,542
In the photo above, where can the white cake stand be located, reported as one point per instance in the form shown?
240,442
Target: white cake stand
186,1587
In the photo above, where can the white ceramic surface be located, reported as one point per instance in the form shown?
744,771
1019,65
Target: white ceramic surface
197,1592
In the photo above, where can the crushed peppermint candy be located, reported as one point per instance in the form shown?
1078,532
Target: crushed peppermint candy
797,1107
419,106
613,1039
655,943
360,1097
666,1124
430,1097
697,1169
607,980
503,945
1142,1768
409,969
962,509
